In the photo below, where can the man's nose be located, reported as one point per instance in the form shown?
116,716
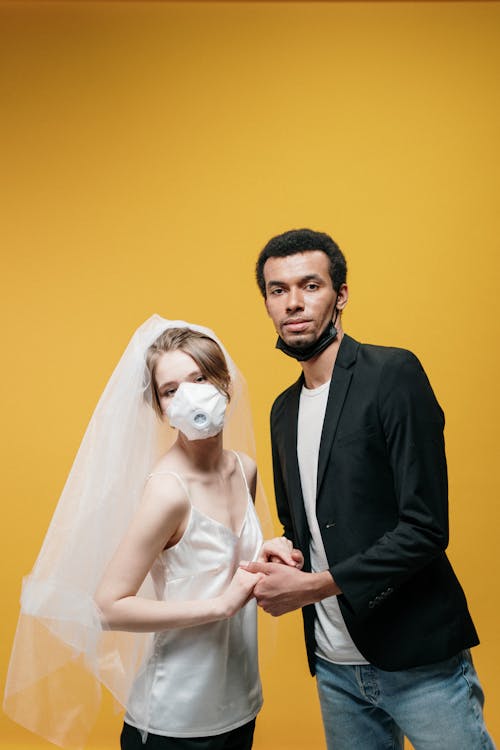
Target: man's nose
295,300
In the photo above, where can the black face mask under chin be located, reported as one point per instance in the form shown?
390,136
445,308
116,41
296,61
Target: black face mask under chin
303,353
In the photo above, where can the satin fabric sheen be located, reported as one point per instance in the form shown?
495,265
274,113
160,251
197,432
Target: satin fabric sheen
202,680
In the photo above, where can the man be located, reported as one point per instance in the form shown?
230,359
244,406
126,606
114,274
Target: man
361,489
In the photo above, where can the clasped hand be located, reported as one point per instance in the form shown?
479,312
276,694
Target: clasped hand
279,552
281,586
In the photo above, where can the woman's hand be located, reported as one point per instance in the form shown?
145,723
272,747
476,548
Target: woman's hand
239,592
281,550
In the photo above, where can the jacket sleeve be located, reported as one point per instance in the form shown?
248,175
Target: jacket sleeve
412,423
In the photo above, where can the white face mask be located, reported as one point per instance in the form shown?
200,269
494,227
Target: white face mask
197,410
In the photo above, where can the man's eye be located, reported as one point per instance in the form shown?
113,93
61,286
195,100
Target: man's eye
312,287
275,292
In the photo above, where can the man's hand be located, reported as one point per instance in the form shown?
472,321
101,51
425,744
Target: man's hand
239,592
280,550
285,588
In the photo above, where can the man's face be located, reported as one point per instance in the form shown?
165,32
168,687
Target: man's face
300,298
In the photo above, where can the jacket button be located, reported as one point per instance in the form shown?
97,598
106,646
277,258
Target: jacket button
330,524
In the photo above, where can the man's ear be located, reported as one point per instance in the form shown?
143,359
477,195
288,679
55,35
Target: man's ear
342,297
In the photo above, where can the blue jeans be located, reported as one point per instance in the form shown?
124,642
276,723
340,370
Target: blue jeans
438,707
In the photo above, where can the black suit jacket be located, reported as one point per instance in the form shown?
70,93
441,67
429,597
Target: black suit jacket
381,505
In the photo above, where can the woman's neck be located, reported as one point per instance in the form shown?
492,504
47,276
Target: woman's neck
204,455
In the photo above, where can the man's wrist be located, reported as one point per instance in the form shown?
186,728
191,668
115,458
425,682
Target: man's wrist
323,586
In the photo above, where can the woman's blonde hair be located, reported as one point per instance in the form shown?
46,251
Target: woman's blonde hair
205,351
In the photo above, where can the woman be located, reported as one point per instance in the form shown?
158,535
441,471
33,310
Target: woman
195,523
155,543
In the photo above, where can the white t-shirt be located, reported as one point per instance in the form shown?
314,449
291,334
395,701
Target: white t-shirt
333,641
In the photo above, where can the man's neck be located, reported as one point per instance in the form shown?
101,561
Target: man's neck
319,369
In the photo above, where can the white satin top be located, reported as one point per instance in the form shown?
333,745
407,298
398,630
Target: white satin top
201,680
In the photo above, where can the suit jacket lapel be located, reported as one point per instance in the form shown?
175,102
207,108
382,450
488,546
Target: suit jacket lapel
341,379
293,475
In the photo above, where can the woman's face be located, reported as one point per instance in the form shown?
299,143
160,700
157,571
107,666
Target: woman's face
172,369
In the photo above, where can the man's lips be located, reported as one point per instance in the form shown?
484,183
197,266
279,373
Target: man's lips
296,325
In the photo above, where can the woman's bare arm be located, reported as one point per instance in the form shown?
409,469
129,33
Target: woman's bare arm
160,519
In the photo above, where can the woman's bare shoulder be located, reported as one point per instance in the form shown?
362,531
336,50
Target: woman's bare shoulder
250,470
166,490
248,463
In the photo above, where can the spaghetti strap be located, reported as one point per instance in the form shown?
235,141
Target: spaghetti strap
242,471
173,474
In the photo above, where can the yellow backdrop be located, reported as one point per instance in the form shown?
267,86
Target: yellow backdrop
149,152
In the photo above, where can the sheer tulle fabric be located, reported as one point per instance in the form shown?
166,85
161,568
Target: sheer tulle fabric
61,655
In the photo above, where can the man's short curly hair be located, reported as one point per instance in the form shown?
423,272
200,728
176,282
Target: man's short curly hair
302,241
